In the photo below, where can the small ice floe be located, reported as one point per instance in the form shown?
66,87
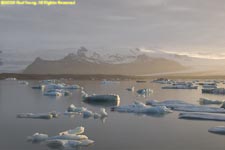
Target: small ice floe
205,101
181,85
139,107
214,90
67,144
39,87
57,92
145,92
77,130
141,81
110,99
223,105
48,81
11,79
73,110
202,116
207,86
131,89
218,130
109,82
37,137
72,87
183,106
162,81
38,116
23,82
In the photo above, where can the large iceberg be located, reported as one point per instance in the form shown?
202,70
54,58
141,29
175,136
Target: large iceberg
218,130
183,106
105,100
202,116
139,107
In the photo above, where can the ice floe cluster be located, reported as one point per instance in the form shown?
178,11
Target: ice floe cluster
64,140
52,88
73,110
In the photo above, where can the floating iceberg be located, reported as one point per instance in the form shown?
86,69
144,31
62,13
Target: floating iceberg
11,79
223,105
57,92
24,82
110,99
37,137
144,91
183,106
38,116
68,137
72,110
202,116
39,87
139,107
218,130
205,101
131,89
68,144
109,82
162,81
214,90
206,86
168,103
72,87
78,130
181,85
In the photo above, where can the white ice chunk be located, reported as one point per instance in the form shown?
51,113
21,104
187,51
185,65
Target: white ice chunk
77,130
37,137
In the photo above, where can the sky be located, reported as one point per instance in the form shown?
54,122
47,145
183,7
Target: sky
181,26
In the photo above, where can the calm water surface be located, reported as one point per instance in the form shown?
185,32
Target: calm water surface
120,131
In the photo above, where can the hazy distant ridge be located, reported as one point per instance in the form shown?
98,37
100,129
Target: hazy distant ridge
79,63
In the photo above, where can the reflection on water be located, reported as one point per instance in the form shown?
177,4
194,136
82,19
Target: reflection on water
120,131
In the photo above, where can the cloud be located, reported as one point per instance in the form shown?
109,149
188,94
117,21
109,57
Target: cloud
197,54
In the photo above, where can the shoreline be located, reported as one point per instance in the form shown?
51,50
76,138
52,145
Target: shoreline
21,76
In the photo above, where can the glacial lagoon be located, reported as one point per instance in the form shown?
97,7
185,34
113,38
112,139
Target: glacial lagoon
119,131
